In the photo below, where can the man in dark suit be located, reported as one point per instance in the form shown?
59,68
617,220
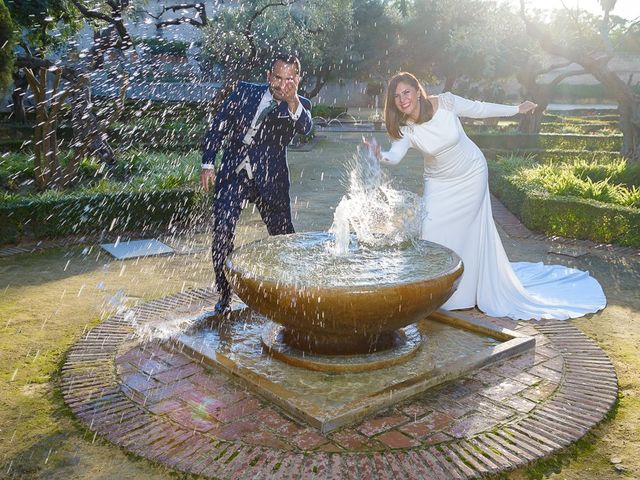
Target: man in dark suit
255,124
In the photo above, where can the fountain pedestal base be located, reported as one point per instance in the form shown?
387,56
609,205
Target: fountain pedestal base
386,351
451,345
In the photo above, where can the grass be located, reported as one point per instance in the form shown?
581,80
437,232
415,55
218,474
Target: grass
609,181
49,300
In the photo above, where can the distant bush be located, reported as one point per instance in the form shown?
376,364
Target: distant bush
568,91
160,46
327,111
600,128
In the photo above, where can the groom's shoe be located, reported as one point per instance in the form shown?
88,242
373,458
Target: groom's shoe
223,306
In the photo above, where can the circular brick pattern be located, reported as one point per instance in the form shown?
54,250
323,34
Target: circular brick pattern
164,406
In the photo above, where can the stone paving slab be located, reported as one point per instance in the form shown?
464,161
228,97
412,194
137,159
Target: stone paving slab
198,420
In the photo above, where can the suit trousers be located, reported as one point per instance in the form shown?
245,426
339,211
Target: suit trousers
229,200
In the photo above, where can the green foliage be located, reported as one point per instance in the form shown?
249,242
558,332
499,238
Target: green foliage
46,24
572,199
462,38
591,143
7,43
327,111
548,141
160,46
279,28
134,170
89,168
586,128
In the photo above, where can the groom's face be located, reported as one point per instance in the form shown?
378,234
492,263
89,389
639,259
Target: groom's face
283,80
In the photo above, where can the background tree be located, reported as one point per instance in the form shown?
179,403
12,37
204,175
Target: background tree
587,43
529,70
7,44
377,44
450,40
46,26
243,39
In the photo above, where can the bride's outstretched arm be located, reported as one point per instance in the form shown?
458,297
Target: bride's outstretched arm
475,109
396,153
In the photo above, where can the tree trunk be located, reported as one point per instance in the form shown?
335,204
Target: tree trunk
596,65
17,96
531,123
449,82
47,168
321,80
630,126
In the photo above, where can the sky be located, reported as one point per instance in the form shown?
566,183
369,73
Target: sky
629,9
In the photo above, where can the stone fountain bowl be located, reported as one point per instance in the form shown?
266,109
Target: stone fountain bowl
342,305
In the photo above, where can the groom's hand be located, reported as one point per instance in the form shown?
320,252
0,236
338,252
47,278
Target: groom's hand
207,178
290,92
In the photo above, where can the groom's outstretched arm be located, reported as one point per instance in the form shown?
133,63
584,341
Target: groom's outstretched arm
302,117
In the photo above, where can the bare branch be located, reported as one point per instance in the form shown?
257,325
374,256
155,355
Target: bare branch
553,67
199,21
116,20
565,75
92,14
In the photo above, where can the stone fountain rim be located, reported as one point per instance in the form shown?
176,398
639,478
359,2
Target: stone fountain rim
457,265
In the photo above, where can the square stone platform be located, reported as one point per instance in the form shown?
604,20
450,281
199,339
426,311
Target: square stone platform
453,345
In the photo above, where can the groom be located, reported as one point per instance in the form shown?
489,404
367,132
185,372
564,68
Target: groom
255,124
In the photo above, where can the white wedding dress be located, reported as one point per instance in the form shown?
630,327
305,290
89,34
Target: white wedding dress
457,214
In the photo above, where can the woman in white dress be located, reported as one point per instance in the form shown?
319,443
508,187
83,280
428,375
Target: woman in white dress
457,209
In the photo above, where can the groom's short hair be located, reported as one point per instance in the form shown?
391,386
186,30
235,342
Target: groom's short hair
289,58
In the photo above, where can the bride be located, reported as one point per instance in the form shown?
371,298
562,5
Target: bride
457,209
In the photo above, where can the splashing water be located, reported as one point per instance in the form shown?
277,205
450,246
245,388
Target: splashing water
378,214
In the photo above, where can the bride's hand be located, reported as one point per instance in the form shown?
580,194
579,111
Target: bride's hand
374,147
527,107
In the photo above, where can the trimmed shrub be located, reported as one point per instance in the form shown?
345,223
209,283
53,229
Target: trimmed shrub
548,141
565,215
55,215
327,111
159,46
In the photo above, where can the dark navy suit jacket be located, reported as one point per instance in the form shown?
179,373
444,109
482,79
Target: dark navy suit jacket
268,151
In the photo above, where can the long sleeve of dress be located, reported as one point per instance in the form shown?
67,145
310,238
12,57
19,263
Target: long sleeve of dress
475,109
398,150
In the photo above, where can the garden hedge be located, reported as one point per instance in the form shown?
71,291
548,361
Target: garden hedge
566,216
100,213
548,141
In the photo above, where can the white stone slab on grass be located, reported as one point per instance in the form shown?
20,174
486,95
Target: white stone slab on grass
123,249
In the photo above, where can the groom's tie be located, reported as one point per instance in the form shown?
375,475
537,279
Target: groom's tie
266,111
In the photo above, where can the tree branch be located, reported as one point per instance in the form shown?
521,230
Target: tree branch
555,66
564,75
199,21
92,14
115,20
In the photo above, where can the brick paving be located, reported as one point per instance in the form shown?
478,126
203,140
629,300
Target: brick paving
169,408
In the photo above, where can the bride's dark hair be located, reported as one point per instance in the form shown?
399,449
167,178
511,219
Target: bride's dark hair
394,118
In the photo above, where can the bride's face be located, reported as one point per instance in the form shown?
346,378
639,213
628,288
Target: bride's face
407,100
